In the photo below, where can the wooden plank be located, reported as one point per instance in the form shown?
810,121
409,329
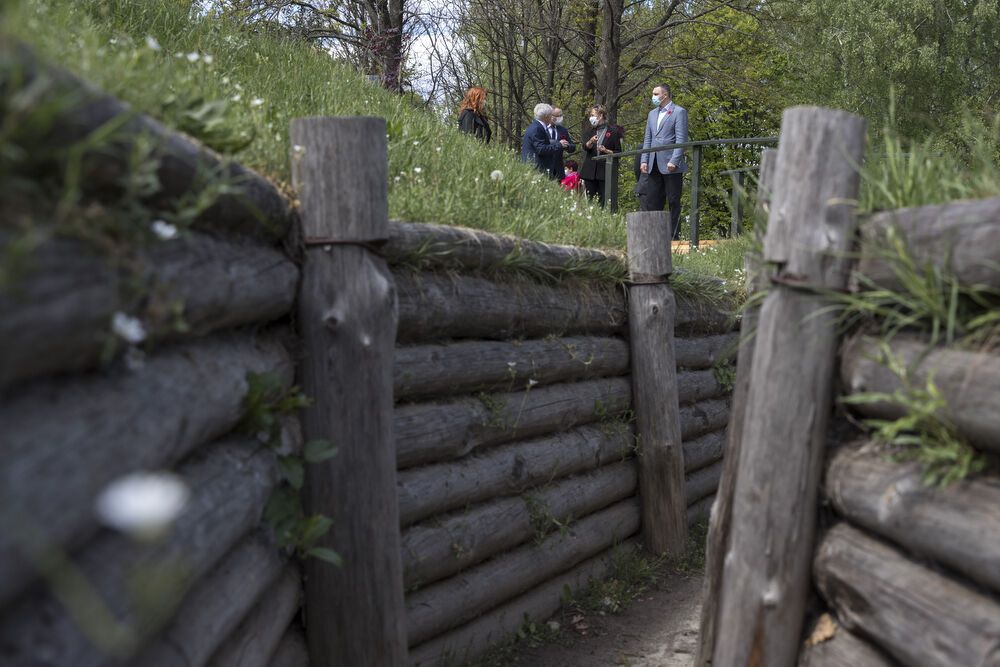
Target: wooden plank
446,247
472,366
810,231
252,205
347,318
959,237
844,649
291,651
69,294
702,483
651,308
957,526
968,381
216,606
698,352
720,526
449,603
448,544
230,483
697,419
87,431
704,451
915,614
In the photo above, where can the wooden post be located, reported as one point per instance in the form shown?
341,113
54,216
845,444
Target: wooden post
654,383
736,199
810,229
719,526
347,316
695,193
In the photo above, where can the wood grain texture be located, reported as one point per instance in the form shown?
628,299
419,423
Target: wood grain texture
959,237
459,599
421,371
509,469
810,229
699,352
915,614
705,450
291,651
213,609
257,637
845,649
230,483
439,548
957,526
702,483
87,431
252,205
968,381
69,293
347,319
697,419
720,526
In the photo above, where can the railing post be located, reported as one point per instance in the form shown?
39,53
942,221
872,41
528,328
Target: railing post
695,192
614,184
347,318
737,202
609,189
654,383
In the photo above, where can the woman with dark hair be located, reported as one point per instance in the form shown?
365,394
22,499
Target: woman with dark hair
472,115
600,138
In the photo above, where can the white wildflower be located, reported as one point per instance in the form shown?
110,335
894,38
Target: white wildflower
128,328
193,57
235,98
532,382
511,364
496,175
416,143
298,149
256,102
396,178
113,41
143,504
208,59
164,230
178,55
438,149
152,44
417,170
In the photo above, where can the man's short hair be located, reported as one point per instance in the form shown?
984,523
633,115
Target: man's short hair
665,88
542,110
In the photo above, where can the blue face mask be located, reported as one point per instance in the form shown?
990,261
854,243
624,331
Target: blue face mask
655,100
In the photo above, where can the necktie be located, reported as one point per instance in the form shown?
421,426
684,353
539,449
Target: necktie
552,133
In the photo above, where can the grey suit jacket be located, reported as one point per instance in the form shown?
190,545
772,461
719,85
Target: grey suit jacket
673,130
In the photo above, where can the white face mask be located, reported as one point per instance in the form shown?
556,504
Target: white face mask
593,121
557,120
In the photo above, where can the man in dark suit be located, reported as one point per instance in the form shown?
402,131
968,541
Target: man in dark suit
559,168
540,145
666,124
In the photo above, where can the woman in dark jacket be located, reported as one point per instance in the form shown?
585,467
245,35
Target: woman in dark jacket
599,139
472,115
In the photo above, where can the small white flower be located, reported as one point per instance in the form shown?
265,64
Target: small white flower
416,143
511,364
417,170
208,59
235,98
152,43
553,625
496,175
178,55
256,102
164,230
396,178
113,41
193,57
438,149
128,328
143,504
532,382
299,149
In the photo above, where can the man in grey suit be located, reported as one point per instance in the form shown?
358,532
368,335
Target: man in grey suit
667,124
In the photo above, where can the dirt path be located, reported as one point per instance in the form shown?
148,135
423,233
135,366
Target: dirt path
658,630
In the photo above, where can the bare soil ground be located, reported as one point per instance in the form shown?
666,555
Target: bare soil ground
660,629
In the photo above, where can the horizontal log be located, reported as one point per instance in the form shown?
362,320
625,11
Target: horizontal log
704,451
250,205
464,644
968,381
447,604
701,510
844,649
216,606
257,637
509,469
291,651
230,483
67,298
434,550
958,526
698,419
915,614
87,431
702,483
433,306
445,247
427,433
959,237
465,367
699,352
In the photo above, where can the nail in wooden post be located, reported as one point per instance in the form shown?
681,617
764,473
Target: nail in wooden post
720,525
654,383
347,317
811,227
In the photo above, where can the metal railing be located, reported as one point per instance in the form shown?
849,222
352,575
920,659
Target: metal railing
611,183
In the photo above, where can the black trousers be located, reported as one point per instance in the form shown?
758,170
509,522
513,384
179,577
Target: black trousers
595,188
664,189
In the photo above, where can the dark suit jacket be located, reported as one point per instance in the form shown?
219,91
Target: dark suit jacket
559,169
472,123
594,171
537,148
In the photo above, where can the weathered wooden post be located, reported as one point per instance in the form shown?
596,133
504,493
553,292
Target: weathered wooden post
695,194
347,316
810,229
651,312
719,526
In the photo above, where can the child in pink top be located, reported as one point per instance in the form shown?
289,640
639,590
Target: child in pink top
572,182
